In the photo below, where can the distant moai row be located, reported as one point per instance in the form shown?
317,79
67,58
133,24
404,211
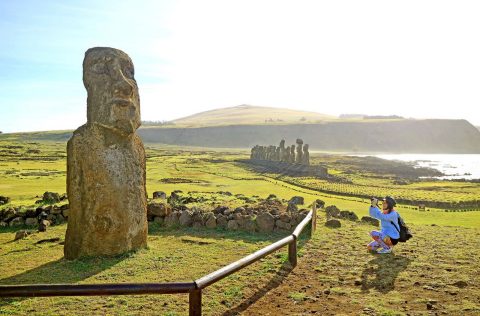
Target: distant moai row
280,153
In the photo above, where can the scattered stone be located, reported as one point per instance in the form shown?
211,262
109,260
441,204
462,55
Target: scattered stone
21,234
332,211
320,203
159,195
358,282
51,197
210,220
333,223
106,162
292,208
351,216
55,239
265,222
297,200
272,197
460,284
370,220
222,221
4,200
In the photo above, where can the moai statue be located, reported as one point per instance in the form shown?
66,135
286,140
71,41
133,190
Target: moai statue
277,154
306,155
282,150
252,153
292,154
106,162
286,156
298,159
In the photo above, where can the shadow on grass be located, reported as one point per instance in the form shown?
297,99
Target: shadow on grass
60,271
385,269
219,233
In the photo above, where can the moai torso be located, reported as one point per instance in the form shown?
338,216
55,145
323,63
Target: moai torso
106,163
292,154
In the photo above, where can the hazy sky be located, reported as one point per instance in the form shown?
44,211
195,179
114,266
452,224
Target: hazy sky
411,58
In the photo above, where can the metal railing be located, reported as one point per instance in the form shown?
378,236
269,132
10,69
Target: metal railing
193,288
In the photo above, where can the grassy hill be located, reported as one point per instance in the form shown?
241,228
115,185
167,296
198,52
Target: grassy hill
249,114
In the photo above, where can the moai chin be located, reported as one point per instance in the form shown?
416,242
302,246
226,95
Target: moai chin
106,162
299,158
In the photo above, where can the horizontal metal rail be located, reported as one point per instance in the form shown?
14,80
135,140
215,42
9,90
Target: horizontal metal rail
94,289
245,261
193,288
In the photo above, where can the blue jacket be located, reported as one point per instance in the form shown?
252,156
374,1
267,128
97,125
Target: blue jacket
386,221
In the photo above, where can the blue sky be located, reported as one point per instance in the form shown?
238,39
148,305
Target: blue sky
411,58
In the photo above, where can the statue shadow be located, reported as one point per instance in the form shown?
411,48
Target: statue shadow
382,271
59,271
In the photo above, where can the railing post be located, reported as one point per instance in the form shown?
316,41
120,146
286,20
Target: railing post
195,302
314,218
292,252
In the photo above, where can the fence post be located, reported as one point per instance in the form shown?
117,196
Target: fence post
195,302
314,218
292,252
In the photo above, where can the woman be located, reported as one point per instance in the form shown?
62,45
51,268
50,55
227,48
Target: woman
387,237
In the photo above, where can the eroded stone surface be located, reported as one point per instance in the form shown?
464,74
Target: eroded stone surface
106,162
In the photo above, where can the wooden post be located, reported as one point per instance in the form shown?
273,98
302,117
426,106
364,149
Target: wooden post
314,218
195,302
292,252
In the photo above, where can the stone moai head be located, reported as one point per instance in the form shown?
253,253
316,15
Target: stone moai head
113,101
299,141
282,143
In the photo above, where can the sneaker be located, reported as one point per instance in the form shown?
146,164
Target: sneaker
383,250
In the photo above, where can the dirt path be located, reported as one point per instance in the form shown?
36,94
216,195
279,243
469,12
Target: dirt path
435,273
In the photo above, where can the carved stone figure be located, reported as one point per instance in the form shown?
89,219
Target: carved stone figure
298,159
306,155
292,154
106,162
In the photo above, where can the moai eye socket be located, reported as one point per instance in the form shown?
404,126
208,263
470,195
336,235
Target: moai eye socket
99,68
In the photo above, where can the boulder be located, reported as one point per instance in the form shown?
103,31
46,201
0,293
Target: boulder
51,197
265,222
157,209
172,219
159,195
232,225
210,220
65,213
30,221
351,216
43,224
17,221
292,208
297,200
319,203
272,197
333,223
21,234
332,211
222,221
3,224
59,219
250,226
8,214
4,200
186,218
370,220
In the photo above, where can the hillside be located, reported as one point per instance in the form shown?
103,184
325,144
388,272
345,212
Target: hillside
396,136
249,114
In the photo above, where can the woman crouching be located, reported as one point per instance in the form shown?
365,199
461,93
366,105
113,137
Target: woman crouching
387,237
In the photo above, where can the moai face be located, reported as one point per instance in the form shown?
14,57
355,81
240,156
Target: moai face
305,148
113,99
299,141
282,143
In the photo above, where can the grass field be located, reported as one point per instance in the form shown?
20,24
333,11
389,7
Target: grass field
436,270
